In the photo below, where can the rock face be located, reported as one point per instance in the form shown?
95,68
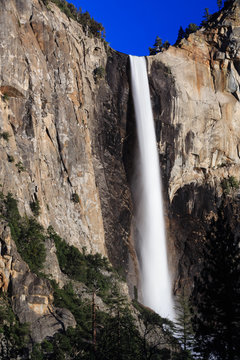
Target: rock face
66,127
32,297
67,138
195,96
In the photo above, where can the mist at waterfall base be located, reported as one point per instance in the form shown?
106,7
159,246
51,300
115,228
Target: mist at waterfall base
155,279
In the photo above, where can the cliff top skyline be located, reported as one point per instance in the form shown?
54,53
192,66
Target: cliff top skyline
132,29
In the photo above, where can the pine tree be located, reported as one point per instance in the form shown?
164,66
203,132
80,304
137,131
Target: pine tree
217,291
183,325
206,17
181,35
219,4
166,45
157,47
190,29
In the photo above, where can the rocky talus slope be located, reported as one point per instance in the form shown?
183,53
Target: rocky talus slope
68,141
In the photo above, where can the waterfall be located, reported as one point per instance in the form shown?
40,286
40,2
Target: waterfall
155,278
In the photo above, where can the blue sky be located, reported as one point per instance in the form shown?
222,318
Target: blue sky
132,26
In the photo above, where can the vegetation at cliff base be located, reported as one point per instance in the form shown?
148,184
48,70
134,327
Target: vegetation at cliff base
183,325
216,296
16,335
98,334
102,335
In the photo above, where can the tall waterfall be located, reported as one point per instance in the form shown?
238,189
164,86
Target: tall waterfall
155,279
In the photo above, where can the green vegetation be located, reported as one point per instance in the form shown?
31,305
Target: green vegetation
90,26
161,332
75,198
158,46
206,17
35,207
92,270
191,28
78,343
5,97
219,4
229,184
30,243
99,73
98,334
20,167
183,325
5,135
182,34
216,296
27,233
16,335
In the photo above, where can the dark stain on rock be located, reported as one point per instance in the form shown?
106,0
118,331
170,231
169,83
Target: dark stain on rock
189,141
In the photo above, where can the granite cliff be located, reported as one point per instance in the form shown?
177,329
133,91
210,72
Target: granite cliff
198,131
68,138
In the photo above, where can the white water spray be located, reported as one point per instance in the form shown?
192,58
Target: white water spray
155,279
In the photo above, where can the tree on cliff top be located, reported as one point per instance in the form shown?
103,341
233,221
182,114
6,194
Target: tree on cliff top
157,47
90,26
191,29
217,290
181,35
219,4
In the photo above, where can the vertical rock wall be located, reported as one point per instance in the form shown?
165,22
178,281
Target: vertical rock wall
195,96
66,127
67,130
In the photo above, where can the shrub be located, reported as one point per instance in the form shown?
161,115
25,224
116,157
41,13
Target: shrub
5,97
192,28
5,135
20,167
75,198
35,207
10,158
229,184
99,73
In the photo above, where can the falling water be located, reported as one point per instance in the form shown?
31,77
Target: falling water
155,279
